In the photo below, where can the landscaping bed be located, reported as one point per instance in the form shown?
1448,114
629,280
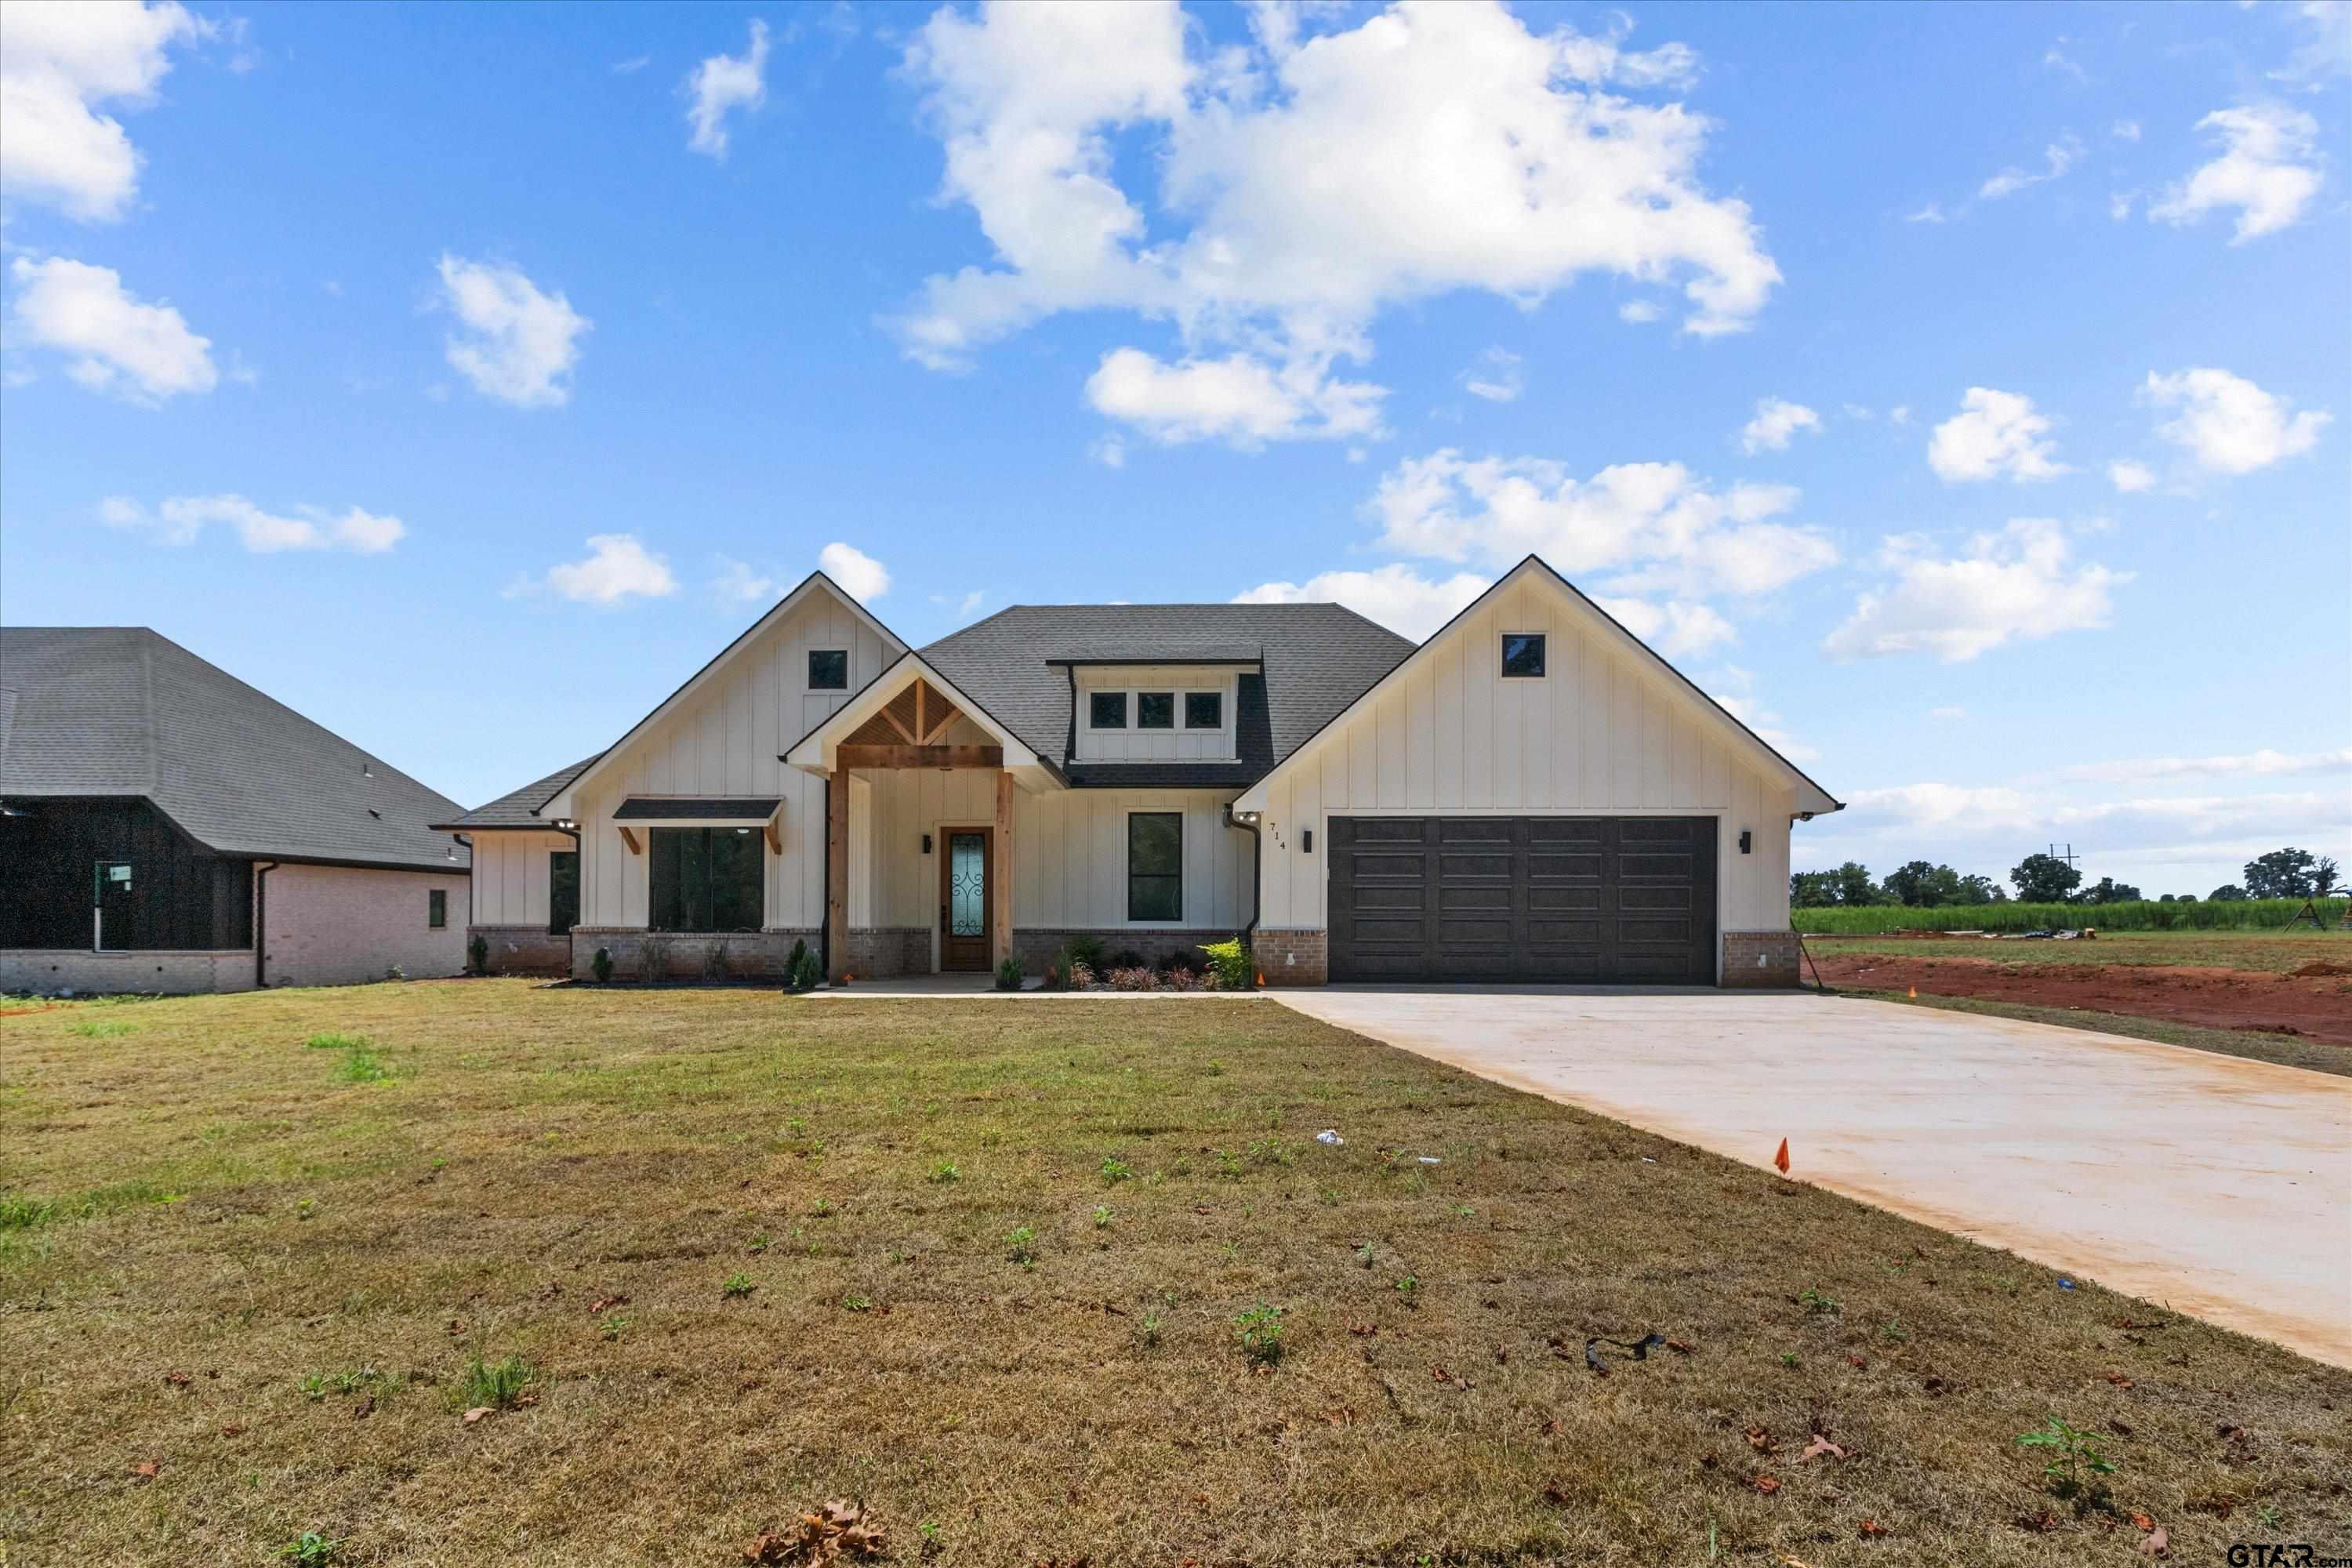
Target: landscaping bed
445,1273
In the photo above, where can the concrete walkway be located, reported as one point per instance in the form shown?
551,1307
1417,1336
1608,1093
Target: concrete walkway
2215,1185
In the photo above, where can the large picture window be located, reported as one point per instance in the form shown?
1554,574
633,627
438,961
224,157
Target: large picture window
705,878
562,891
1155,866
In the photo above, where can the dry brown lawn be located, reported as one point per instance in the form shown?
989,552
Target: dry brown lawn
237,1260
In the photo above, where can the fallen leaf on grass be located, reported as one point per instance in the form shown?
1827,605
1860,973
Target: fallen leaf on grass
1760,1439
1551,1428
364,1408
1678,1347
2041,1523
146,1470
1860,1361
1767,1485
606,1304
2118,1379
178,1379
474,1416
2142,1522
1817,1446
820,1536
1871,1530
2157,1543
232,1431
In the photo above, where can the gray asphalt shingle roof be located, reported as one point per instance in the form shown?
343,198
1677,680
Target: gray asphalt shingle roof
123,711
1317,659
516,809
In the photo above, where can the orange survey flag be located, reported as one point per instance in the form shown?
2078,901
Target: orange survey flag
1781,1159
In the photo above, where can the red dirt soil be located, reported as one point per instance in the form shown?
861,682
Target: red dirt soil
2314,1005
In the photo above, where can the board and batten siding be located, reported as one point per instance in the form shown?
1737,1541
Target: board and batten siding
1133,744
1069,850
727,741
511,876
1598,734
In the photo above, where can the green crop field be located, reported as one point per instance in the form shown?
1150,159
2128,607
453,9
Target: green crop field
2232,914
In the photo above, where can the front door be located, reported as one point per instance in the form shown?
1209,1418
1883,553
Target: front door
965,873
110,930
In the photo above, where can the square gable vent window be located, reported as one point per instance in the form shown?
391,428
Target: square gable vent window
828,669
1523,654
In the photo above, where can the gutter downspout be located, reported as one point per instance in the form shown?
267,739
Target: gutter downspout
261,925
1070,746
1258,875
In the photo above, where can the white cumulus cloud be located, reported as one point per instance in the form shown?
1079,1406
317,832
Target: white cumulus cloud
60,60
2022,583
1995,432
2131,476
514,340
1497,377
2268,171
181,519
1777,419
2227,424
739,583
1657,525
1238,399
722,84
1677,629
1397,597
616,567
1305,182
2263,763
114,342
861,576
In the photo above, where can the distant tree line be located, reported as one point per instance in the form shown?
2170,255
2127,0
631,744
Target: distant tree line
2048,879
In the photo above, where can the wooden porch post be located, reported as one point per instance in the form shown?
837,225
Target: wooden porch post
1001,892
837,874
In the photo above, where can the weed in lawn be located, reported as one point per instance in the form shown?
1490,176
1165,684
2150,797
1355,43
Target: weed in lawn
333,1040
1115,1170
1229,1166
2075,1454
1260,1328
946,1172
1021,1245
1819,1304
496,1383
361,1064
24,1214
737,1285
1894,1332
1149,1331
1103,1216
615,1325
759,1242
1789,1358
853,1302
1364,1256
820,1209
1216,1067
1408,1291
1274,1152
100,1029
312,1550
316,1386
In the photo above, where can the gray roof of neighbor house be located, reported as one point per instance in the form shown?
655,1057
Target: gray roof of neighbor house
123,711
1316,660
517,808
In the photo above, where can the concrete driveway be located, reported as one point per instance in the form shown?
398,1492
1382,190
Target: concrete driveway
2215,1185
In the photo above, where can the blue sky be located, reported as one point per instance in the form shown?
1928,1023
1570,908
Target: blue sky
1962,394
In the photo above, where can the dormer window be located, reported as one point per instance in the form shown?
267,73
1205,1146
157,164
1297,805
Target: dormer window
1106,711
1204,709
1155,710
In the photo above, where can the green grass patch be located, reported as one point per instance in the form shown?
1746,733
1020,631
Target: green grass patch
2227,914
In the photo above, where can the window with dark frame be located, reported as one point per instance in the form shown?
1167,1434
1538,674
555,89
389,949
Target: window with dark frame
437,909
1155,866
562,891
1204,709
1155,710
705,878
828,669
1523,654
1106,711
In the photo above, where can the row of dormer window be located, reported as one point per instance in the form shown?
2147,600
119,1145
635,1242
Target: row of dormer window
1154,709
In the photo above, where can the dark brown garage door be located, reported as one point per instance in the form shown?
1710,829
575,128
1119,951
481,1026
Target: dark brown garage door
1576,900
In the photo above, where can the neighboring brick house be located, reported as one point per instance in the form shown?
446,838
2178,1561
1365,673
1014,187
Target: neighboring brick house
1531,795
157,815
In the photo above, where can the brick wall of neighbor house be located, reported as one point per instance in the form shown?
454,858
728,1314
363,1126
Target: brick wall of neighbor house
685,955
1037,948
1292,957
523,950
171,974
1759,958
884,952
338,925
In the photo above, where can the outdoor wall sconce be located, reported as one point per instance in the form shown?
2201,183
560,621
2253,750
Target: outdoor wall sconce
1306,842
1744,836
927,842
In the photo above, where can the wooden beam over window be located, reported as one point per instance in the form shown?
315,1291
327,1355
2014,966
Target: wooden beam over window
848,756
630,839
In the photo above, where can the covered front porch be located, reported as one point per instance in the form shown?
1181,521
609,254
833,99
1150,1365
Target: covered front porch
920,828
